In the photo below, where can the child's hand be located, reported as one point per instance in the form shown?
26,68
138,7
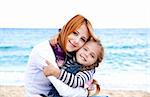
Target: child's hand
94,88
51,70
53,40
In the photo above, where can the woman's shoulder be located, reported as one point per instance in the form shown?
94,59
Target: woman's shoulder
43,44
43,47
45,50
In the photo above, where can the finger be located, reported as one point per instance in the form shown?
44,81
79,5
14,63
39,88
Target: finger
52,42
44,67
47,62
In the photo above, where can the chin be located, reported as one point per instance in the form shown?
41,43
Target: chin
82,63
70,50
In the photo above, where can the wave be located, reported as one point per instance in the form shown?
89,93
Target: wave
139,46
4,48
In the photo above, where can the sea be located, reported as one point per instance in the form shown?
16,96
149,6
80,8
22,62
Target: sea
126,64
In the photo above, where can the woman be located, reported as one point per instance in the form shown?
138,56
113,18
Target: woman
72,37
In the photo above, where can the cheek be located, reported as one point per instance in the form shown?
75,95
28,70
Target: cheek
92,61
69,37
81,44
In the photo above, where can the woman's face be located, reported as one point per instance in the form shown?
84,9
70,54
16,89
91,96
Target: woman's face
77,39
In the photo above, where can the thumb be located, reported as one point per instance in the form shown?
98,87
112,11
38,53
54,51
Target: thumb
47,62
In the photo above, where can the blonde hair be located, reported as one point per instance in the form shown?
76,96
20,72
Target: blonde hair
72,25
99,59
97,87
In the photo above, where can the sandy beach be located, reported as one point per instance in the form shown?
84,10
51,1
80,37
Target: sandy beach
18,91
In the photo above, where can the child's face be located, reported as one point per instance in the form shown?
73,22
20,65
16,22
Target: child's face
88,54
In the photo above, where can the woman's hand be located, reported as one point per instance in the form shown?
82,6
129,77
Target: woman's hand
51,70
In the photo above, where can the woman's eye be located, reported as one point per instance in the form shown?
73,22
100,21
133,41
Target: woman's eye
75,33
83,39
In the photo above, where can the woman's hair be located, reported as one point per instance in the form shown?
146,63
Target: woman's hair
72,25
99,59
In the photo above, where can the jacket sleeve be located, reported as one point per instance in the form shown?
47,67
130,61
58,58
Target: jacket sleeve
45,51
76,80
66,91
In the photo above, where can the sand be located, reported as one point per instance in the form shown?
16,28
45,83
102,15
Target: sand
18,91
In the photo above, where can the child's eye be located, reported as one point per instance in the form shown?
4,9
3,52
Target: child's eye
85,49
92,56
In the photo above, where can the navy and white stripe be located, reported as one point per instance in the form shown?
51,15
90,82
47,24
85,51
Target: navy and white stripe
78,79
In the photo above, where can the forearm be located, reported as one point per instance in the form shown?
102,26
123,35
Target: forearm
71,92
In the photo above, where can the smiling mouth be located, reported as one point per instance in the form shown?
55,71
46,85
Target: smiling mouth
82,57
72,44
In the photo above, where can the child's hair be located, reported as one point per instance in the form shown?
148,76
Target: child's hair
97,87
99,59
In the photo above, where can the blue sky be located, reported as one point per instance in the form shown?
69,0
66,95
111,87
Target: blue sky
55,13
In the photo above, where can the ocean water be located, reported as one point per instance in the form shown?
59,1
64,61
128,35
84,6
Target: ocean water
126,64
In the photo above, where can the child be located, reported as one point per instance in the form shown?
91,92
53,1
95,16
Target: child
87,58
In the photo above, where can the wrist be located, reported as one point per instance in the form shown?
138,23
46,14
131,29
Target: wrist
57,74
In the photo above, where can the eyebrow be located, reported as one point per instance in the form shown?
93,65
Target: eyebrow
93,53
77,31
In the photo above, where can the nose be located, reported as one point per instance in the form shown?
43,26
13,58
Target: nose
77,40
86,54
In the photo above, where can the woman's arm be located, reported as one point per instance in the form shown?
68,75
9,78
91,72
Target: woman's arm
66,91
